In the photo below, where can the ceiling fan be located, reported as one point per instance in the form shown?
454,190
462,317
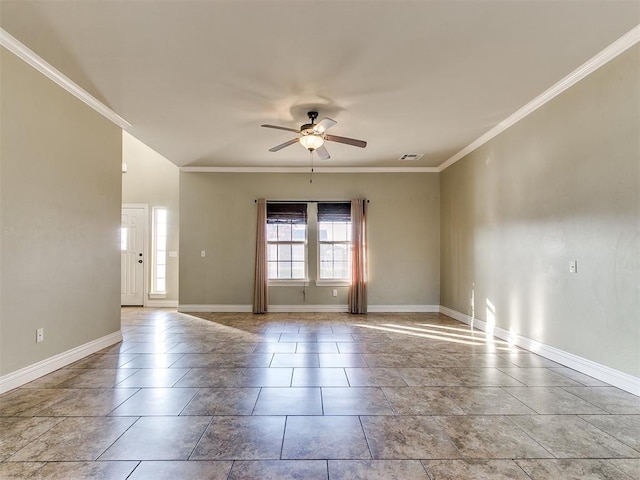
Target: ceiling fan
312,136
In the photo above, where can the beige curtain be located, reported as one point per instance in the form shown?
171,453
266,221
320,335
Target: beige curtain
260,288
358,290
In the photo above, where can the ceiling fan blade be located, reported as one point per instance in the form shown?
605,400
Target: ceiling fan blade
322,152
348,141
281,128
324,125
282,145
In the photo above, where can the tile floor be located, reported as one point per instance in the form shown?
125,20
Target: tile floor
315,396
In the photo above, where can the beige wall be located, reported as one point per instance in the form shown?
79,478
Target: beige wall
153,180
563,184
60,192
218,215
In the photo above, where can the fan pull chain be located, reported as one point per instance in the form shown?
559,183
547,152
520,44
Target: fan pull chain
311,164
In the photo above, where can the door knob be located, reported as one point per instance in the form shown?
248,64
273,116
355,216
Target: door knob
139,261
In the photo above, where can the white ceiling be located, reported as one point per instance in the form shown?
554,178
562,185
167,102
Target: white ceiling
197,78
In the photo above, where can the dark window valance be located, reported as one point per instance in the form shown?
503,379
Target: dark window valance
286,213
334,212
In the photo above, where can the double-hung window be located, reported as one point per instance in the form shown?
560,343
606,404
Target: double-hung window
286,241
334,241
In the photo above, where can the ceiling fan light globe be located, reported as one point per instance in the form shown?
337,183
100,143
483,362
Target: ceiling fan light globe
311,142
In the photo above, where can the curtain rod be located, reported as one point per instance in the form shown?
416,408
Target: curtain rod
307,201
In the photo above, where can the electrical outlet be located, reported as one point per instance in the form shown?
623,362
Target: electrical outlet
573,266
203,253
40,335
335,292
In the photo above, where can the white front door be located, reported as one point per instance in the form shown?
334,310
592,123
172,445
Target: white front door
132,261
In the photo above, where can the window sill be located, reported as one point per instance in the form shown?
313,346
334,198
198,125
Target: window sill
333,283
288,283
157,295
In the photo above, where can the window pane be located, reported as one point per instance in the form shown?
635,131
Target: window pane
272,252
297,270
297,252
341,270
326,270
160,271
284,232
299,232
326,252
284,270
161,243
349,231
272,232
161,257
272,268
160,284
123,238
161,230
339,232
340,252
161,215
284,252
324,231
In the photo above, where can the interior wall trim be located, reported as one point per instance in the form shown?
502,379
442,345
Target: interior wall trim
316,170
337,308
30,57
32,372
161,303
621,45
614,377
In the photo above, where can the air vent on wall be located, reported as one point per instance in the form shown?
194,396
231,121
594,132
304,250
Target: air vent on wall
411,156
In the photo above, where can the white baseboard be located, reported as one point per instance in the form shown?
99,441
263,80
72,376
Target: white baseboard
32,372
308,308
154,303
403,308
614,377
195,308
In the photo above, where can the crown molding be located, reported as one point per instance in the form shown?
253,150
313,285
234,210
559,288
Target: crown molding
30,57
316,170
625,42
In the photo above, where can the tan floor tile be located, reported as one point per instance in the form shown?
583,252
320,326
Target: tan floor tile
487,401
490,437
568,436
573,469
75,438
98,378
153,360
156,401
630,466
154,377
333,360
83,402
410,437
16,432
355,401
475,470
178,470
289,401
324,438
241,438
325,347
86,470
158,438
319,377
19,470
308,360
375,377
265,377
610,399
222,401
210,377
421,401
376,470
552,400
625,428
279,470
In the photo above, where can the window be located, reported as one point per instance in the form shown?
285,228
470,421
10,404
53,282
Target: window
286,241
334,241
159,269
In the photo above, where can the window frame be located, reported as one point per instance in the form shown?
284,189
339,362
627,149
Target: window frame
335,281
155,252
304,281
